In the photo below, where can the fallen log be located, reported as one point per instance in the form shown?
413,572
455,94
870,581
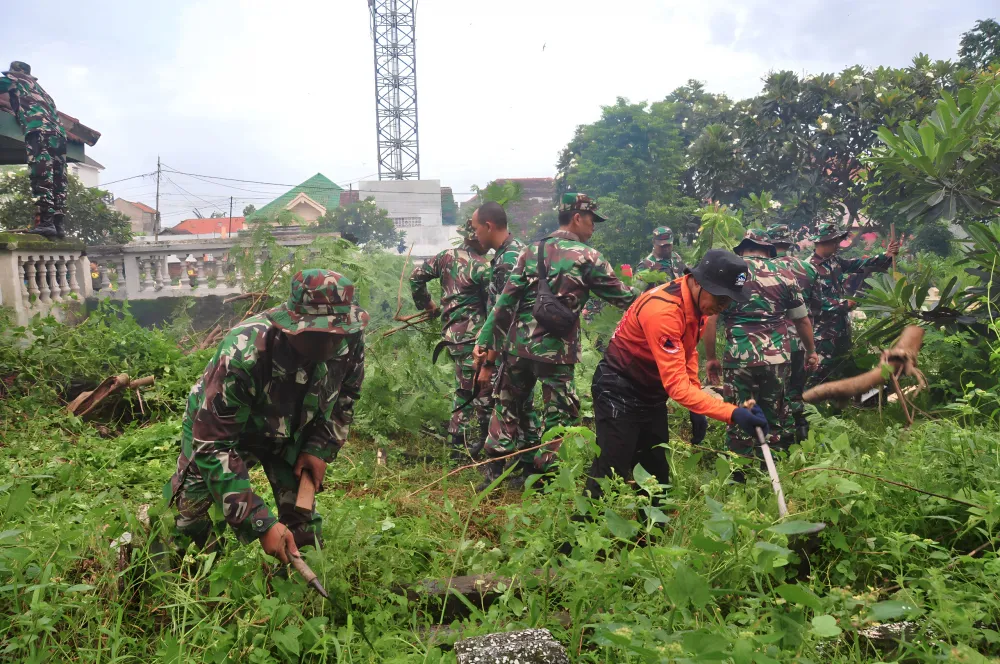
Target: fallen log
901,360
84,404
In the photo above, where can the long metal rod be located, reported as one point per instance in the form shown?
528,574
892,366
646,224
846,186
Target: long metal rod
773,472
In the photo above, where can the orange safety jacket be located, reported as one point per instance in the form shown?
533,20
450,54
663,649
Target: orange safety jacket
655,347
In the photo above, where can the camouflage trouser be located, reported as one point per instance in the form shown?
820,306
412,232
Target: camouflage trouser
797,383
193,498
768,385
47,171
514,425
834,359
465,420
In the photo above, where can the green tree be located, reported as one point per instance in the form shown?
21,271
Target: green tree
249,210
88,216
363,223
449,209
980,47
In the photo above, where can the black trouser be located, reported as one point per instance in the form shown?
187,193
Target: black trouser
629,432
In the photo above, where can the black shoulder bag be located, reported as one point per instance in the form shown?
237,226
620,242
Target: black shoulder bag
549,311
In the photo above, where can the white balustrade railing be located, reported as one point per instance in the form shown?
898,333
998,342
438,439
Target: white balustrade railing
36,278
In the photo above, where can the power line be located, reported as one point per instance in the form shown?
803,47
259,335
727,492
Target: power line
142,175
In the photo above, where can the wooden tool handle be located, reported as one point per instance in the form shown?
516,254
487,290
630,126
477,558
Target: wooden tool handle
302,568
307,493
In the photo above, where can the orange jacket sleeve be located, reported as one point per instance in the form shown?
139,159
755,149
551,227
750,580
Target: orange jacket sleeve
663,326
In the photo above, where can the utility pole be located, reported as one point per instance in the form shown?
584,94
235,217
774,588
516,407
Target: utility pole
230,217
156,222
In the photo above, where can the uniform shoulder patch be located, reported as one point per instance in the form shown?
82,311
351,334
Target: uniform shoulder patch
669,344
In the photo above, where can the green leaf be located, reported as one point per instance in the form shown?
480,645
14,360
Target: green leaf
688,586
79,588
642,476
847,486
288,639
619,527
891,610
651,585
708,544
800,595
795,527
18,499
826,627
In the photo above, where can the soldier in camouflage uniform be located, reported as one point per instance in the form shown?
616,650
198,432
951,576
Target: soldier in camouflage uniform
663,259
805,276
830,307
532,353
279,391
489,223
464,275
757,362
45,143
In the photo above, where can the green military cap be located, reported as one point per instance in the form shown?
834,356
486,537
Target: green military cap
320,300
780,235
581,202
828,230
663,234
757,237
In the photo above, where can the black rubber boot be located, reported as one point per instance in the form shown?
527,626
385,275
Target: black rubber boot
58,223
491,471
801,428
46,230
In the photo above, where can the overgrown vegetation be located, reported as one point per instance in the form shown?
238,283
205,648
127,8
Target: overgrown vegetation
701,570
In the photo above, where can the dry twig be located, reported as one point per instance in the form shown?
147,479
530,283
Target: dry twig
893,482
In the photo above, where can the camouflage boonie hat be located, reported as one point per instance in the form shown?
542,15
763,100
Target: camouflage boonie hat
581,202
320,300
663,234
466,231
780,234
756,236
828,230
22,67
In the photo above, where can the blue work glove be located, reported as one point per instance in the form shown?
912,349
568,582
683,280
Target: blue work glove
699,427
751,418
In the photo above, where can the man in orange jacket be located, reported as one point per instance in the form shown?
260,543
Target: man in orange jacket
653,356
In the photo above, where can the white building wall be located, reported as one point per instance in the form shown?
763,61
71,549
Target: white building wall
89,175
406,199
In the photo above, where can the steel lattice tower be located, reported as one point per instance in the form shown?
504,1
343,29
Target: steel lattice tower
394,35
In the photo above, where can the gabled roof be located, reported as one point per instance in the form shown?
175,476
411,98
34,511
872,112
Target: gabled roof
142,206
303,197
209,226
319,188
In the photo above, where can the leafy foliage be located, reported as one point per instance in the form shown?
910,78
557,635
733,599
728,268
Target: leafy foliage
88,216
362,223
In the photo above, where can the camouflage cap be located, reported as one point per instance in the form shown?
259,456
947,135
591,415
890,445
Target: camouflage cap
22,67
780,235
466,231
828,230
320,300
581,202
663,234
757,238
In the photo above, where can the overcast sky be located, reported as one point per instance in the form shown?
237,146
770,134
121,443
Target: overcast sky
276,91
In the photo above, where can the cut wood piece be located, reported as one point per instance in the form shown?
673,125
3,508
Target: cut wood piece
528,646
901,359
306,497
84,404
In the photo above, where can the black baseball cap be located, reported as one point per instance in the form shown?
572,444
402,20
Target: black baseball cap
722,273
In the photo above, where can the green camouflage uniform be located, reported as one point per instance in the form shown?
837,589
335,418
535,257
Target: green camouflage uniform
464,277
757,361
531,353
831,324
673,266
805,276
258,401
44,141
502,264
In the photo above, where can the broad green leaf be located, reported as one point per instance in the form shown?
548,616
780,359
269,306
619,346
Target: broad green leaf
708,544
826,627
794,527
651,585
891,610
79,588
641,477
619,527
19,497
688,586
797,594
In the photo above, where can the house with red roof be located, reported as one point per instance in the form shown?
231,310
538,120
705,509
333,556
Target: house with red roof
142,217
207,228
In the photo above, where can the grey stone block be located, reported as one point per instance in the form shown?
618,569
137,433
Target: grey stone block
529,646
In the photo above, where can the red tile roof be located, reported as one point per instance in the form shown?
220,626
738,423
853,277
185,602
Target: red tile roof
143,207
218,225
